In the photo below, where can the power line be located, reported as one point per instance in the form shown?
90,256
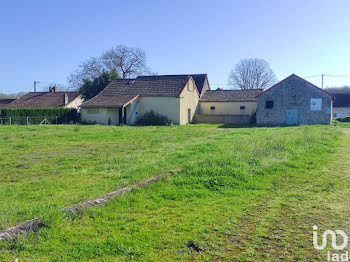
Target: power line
312,76
337,75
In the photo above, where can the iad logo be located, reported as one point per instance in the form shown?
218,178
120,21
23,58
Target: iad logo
332,256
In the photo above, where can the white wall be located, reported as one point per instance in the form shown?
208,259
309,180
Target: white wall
75,103
341,111
189,99
168,106
100,115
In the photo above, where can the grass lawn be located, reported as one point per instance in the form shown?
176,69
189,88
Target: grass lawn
243,194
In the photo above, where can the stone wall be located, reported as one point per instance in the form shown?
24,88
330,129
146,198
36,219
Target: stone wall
294,93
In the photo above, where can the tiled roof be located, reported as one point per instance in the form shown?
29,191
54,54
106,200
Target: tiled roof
43,99
5,102
230,95
120,90
341,100
109,101
199,79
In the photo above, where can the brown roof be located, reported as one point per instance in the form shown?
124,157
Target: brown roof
121,91
5,102
230,95
43,99
109,101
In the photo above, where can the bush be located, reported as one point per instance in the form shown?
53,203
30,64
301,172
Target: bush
36,115
344,119
152,118
253,118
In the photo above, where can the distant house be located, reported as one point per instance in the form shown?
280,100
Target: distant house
341,105
294,101
5,102
124,100
53,98
228,106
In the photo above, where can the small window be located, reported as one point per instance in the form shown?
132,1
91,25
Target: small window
269,104
212,108
242,107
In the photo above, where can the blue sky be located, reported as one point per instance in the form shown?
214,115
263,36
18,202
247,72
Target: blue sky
46,40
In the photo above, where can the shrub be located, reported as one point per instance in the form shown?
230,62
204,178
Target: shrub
152,118
344,119
253,118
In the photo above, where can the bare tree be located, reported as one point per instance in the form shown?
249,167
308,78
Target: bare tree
252,73
127,61
338,90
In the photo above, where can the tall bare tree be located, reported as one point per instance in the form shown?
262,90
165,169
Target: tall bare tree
251,73
126,61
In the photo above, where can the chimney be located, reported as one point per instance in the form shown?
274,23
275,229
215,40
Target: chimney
55,89
65,99
50,89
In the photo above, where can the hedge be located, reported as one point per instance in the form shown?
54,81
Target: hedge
19,116
344,119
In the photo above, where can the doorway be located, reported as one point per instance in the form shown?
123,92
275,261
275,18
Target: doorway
292,117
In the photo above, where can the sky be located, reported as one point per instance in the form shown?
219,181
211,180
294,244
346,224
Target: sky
46,40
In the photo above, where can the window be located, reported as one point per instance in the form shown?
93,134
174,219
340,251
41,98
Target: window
316,104
242,107
212,108
269,104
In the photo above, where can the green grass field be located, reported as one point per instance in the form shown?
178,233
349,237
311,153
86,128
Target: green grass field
243,194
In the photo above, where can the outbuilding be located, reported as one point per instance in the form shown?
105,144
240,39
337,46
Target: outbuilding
124,100
294,101
341,105
228,106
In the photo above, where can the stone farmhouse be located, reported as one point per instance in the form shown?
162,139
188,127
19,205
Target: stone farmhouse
294,101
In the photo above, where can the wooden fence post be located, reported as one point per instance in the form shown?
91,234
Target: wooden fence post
27,120
10,120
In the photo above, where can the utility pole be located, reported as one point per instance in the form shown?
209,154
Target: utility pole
35,86
322,81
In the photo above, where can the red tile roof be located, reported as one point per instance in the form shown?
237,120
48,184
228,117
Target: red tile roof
43,99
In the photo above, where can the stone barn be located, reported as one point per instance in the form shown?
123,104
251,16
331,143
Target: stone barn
294,101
